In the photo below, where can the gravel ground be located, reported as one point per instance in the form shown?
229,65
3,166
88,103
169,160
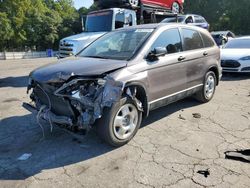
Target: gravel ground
169,150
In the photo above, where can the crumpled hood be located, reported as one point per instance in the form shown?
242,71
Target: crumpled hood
234,54
75,66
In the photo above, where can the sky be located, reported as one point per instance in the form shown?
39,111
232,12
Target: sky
82,3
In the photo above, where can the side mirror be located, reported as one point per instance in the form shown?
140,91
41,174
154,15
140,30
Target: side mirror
157,52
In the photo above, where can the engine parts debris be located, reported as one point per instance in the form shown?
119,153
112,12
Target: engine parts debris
181,117
196,115
205,173
240,155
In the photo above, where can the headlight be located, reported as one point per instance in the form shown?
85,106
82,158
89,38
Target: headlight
245,58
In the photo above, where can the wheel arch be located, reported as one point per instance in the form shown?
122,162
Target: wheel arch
141,95
216,72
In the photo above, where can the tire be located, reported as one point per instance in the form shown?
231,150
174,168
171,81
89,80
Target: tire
134,3
208,89
123,113
176,8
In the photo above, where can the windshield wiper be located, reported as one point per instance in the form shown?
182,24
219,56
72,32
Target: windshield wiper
96,56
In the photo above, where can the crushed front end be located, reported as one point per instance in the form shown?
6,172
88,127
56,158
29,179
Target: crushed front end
76,103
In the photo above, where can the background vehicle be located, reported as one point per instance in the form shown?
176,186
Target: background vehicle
176,6
97,24
235,56
102,21
191,19
125,74
222,37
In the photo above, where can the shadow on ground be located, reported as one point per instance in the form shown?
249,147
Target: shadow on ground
21,134
235,76
20,81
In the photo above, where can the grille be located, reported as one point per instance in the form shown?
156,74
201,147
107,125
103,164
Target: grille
65,49
230,70
245,69
59,106
230,63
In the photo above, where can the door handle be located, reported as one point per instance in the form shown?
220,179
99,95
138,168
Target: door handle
205,53
181,58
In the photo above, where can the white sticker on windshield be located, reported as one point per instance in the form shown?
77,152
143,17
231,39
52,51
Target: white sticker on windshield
143,30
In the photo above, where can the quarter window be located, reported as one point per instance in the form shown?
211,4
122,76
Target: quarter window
192,39
169,39
208,42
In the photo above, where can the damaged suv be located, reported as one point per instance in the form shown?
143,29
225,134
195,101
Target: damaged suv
123,75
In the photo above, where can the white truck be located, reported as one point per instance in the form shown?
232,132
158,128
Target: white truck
102,21
97,24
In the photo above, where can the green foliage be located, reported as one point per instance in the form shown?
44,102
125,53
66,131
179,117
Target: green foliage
40,24
36,24
223,14
6,31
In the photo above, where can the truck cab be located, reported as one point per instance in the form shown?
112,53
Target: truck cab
97,24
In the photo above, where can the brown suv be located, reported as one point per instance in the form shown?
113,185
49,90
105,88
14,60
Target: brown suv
123,75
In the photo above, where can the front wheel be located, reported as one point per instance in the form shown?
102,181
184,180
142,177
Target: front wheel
176,8
119,123
208,90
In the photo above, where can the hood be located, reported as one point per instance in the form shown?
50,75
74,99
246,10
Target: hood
234,54
84,36
75,66
82,40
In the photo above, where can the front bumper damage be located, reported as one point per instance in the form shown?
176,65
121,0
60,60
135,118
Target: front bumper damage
78,103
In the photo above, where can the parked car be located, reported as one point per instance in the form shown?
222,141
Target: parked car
123,75
175,6
222,37
235,56
190,19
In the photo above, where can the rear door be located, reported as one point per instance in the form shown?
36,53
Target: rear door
195,55
167,74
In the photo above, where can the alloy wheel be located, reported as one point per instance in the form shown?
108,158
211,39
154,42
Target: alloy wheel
134,3
209,87
125,121
175,7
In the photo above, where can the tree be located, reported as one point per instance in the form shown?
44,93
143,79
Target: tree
6,31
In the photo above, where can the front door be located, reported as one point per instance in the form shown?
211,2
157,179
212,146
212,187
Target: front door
166,74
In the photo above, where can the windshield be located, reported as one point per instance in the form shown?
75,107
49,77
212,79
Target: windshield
173,19
119,45
101,21
238,43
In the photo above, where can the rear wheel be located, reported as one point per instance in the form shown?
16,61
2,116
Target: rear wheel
119,123
176,8
208,90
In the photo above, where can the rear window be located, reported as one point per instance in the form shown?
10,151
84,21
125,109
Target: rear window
192,39
97,22
199,19
208,42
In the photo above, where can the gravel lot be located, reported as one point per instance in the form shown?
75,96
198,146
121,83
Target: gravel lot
168,150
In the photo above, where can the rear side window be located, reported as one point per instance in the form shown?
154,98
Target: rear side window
208,42
192,39
199,19
169,39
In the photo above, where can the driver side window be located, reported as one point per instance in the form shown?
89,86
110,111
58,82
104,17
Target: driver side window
169,39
